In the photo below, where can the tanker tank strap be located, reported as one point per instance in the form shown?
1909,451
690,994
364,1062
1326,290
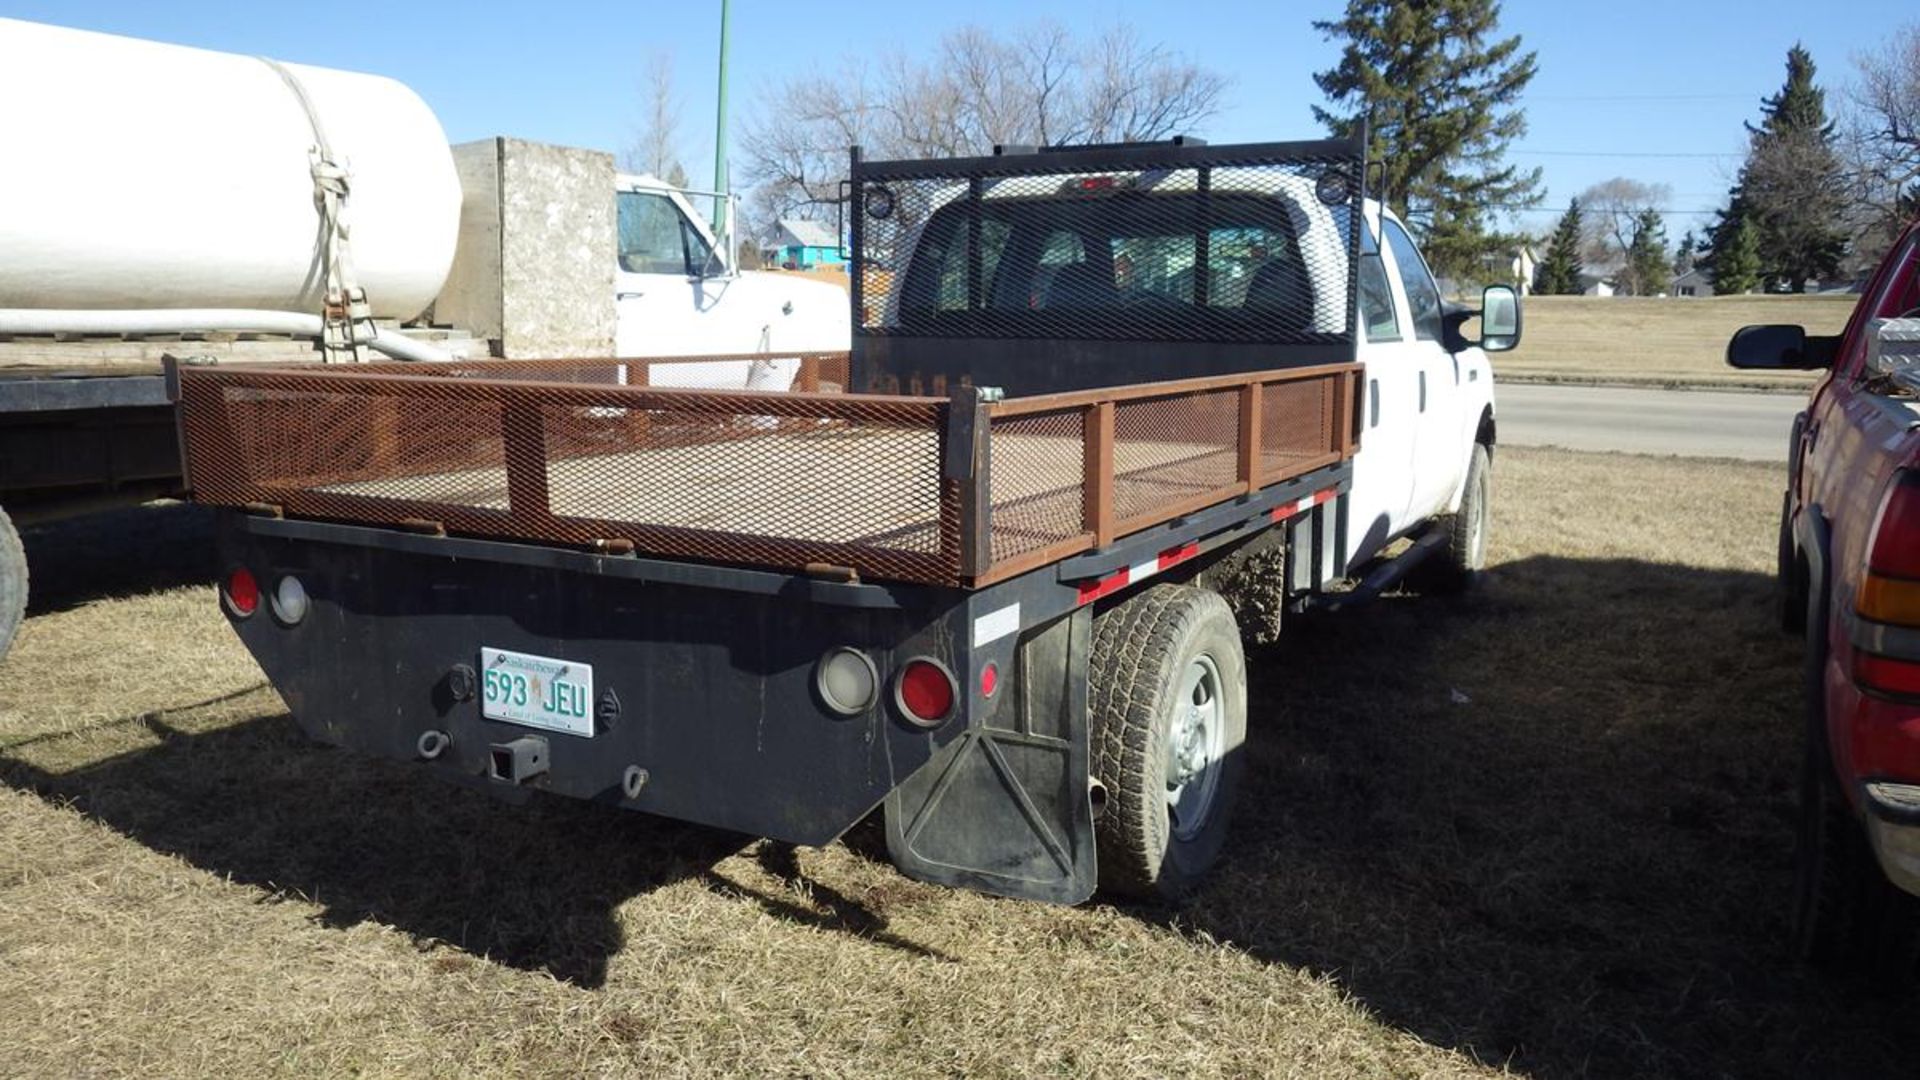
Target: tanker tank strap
347,318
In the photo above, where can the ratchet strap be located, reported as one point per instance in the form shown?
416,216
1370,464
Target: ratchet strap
347,319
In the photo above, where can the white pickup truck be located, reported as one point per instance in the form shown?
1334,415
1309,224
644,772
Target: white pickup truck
976,591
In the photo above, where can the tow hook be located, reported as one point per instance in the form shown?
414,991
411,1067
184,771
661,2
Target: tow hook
518,761
432,744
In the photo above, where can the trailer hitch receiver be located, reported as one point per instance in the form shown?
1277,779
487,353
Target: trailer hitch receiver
518,761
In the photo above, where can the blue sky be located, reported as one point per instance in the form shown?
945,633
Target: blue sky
1652,91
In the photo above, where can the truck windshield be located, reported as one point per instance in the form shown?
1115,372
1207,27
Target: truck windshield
1121,263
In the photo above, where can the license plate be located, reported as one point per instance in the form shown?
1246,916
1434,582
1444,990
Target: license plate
537,691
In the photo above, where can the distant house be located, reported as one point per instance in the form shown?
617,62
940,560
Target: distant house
1592,284
802,245
1523,267
1695,282
1515,267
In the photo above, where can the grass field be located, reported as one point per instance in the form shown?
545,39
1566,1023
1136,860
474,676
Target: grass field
1656,340
1541,831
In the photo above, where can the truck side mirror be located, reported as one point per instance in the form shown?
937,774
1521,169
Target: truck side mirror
1499,318
1779,347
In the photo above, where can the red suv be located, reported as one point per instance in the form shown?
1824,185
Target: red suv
1850,577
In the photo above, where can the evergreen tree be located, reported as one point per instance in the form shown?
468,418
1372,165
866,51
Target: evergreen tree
1736,269
1646,269
1438,91
1792,184
1559,272
1725,228
1684,253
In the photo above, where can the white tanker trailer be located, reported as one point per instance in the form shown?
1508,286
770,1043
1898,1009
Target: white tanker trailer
163,201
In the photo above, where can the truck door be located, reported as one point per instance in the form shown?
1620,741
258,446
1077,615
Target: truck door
1383,469
669,299
1439,442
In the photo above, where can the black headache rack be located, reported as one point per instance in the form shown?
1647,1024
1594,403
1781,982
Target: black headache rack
1076,268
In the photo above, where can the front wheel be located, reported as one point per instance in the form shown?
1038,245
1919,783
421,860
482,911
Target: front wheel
1168,696
1453,569
13,582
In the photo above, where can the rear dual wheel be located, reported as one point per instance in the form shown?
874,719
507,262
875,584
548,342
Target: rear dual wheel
1168,695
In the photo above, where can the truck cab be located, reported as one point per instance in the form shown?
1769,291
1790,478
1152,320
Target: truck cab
1120,268
679,292
1849,573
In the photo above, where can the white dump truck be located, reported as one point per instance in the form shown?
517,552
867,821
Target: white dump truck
169,201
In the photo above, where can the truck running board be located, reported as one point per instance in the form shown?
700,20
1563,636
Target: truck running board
1385,573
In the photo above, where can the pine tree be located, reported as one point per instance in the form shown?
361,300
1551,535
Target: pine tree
1438,92
1736,270
1791,185
1559,272
1646,269
1684,253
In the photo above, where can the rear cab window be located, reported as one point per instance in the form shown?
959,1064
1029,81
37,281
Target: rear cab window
1117,265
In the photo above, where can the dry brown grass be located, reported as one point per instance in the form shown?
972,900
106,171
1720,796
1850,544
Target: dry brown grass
1658,341
1581,871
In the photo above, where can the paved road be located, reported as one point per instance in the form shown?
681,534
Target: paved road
1694,423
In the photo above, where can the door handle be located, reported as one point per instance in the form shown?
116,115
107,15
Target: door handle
1373,403
628,295
1423,391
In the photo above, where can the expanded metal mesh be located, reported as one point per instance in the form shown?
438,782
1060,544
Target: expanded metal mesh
1254,245
1169,451
580,453
1298,424
563,452
1037,475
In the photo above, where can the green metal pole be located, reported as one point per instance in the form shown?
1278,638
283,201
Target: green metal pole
720,137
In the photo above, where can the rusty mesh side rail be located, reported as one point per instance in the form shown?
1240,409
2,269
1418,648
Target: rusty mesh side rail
580,452
1071,472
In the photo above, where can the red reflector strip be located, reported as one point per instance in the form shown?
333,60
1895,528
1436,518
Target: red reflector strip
1886,675
1302,504
1133,575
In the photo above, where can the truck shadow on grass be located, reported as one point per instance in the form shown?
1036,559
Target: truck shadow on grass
534,887
1550,825
137,549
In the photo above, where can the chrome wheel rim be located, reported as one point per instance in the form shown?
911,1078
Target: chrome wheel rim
1196,743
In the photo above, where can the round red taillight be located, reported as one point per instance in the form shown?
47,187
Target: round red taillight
989,679
925,692
242,592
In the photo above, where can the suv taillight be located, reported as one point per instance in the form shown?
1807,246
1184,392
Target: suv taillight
1890,590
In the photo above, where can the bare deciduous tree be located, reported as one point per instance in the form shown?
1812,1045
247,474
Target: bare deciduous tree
1881,146
1040,86
1616,213
655,148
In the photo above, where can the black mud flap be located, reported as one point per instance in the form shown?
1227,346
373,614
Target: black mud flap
1005,808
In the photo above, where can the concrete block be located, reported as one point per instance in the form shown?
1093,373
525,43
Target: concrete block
534,269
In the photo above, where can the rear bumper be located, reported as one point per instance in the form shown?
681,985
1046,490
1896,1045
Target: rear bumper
1893,826
710,690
